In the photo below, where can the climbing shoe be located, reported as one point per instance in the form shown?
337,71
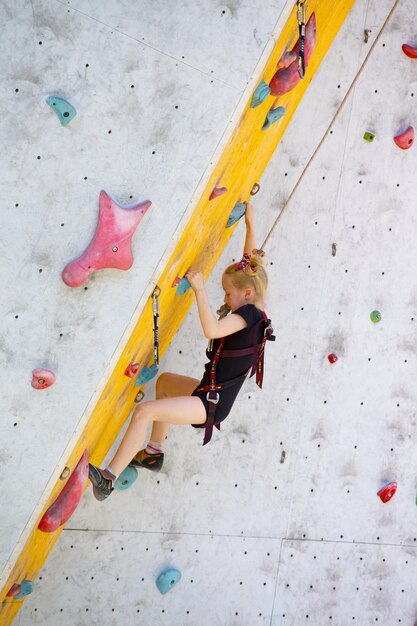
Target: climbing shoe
102,487
152,462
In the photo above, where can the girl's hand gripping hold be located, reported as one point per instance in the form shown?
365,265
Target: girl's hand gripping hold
195,278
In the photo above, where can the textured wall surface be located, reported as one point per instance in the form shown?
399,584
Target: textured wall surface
151,108
307,541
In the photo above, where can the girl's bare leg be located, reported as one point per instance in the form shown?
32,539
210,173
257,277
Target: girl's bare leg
179,410
170,386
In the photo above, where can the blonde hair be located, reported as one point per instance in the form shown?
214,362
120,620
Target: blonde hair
252,274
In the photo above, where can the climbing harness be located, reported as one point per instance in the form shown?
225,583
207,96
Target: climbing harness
301,15
147,373
257,349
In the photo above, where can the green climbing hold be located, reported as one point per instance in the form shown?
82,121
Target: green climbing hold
376,317
64,110
369,137
260,95
126,478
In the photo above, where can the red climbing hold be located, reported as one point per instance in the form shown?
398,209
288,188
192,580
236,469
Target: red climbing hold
287,76
132,370
218,191
41,379
411,52
64,506
406,139
332,358
111,244
14,590
387,492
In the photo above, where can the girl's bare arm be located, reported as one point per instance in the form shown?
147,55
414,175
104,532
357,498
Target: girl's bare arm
250,229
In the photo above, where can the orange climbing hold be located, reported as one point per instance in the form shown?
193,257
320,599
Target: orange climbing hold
406,139
64,506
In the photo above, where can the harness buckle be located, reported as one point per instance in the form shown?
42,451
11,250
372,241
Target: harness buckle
213,400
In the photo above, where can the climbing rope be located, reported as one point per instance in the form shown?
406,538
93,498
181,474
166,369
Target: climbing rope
331,123
155,309
301,16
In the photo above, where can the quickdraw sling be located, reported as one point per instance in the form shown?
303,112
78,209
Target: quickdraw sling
257,349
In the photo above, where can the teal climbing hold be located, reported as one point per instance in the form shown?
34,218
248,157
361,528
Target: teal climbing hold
64,110
146,374
238,211
182,287
168,579
27,587
260,94
126,478
273,116
376,317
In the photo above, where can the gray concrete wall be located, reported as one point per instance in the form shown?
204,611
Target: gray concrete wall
307,541
154,87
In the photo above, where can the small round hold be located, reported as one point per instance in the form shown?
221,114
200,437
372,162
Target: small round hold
115,249
42,379
255,189
387,492
132,369
65,473
139,396
283,456
406,139
333,358
376,317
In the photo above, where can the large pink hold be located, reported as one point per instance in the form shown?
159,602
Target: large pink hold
64,506
111,244
42,379
406,139
287,77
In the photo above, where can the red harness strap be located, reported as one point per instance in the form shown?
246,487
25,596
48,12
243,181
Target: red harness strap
257,349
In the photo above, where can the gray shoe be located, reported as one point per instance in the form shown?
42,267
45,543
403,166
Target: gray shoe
102,487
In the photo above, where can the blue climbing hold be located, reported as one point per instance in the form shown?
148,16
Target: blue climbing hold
27,587
146,374
273,116
64,110
260,95
238,211
168,579
182,287
126,478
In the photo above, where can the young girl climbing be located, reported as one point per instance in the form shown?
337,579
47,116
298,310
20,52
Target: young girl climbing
235,350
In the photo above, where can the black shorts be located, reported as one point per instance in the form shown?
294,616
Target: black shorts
224,406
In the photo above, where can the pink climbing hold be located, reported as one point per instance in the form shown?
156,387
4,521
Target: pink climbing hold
218,191
287,76
406,139
287,58
42,379
111,244
64,506
132,369
387,492
410,51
